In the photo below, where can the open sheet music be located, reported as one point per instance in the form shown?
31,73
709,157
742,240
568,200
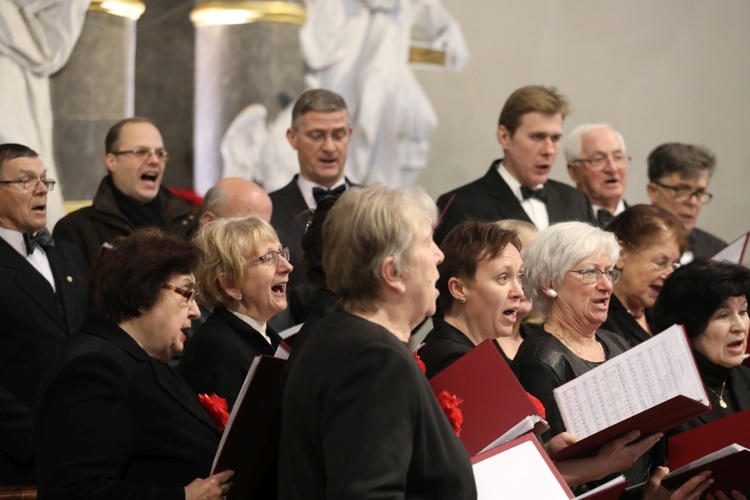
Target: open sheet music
649,374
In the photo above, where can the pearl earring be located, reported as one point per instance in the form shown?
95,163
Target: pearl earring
551,293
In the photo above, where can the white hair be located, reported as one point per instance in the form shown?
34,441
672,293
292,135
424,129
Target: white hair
556,250
574,140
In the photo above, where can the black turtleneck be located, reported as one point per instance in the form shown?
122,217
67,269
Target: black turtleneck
138,214
716,379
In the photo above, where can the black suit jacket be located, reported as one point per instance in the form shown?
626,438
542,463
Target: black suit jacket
442,346
489,198
289,220
218,357
35,322
359,420
703,244
113,422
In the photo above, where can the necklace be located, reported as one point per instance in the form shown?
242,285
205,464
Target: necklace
722,403
564,338
634,315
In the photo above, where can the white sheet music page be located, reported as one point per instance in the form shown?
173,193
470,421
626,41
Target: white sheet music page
733,252
650,373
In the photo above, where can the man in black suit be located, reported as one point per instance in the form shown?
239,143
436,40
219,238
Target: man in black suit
598,164
320,134
42,303
517,186
678,177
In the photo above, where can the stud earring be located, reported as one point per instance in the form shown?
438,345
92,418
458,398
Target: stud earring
462,300
551,293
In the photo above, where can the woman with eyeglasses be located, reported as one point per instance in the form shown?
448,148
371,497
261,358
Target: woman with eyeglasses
569,274
114,420
244,278
651,242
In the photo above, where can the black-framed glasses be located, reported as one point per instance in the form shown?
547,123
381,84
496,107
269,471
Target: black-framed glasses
190,295
33,184
598,162
143,154
593,275
271,258
684,193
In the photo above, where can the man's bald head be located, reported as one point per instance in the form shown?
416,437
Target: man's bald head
236,197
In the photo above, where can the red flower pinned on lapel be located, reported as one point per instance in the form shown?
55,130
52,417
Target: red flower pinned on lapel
538,404
420,363
216,407
449,403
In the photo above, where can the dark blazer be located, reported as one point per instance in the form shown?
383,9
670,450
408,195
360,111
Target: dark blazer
359,420
113,422
489,198
703,244
35,323
289,220
220,353
623,324
444,345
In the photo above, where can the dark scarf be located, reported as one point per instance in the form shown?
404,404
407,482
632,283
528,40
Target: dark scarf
138,214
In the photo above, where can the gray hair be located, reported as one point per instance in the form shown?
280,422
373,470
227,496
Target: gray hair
321,100
574,140
689,160
366,225
556,250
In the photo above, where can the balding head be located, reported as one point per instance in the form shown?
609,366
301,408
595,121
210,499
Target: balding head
235,197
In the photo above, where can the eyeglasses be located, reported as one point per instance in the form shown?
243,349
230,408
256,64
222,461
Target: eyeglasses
593,275
661,264
190,295
271,258
33,184
598,162
682,193
143,154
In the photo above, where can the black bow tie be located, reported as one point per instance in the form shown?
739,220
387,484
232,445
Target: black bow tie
320,193
604,216
41,238
539,194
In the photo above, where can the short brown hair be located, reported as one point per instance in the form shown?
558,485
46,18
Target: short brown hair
529,99
464,247
641,225
321,100
113,134
126,281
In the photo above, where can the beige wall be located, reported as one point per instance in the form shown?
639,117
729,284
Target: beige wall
658,71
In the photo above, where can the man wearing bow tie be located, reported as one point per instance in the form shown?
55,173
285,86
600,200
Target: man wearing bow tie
42,303
320,134
517,186
598,163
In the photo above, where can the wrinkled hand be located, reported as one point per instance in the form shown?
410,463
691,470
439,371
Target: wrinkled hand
557,443
619,454
691,490
211,488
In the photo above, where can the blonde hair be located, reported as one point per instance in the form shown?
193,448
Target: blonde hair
228,243
367,225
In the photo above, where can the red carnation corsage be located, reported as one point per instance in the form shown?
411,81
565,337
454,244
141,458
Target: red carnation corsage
216,407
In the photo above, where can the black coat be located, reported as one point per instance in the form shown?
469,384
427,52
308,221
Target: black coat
489,198
218,357
114,423
703,244
35,323
623,324
359,420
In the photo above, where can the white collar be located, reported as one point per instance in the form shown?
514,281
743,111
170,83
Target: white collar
306,188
